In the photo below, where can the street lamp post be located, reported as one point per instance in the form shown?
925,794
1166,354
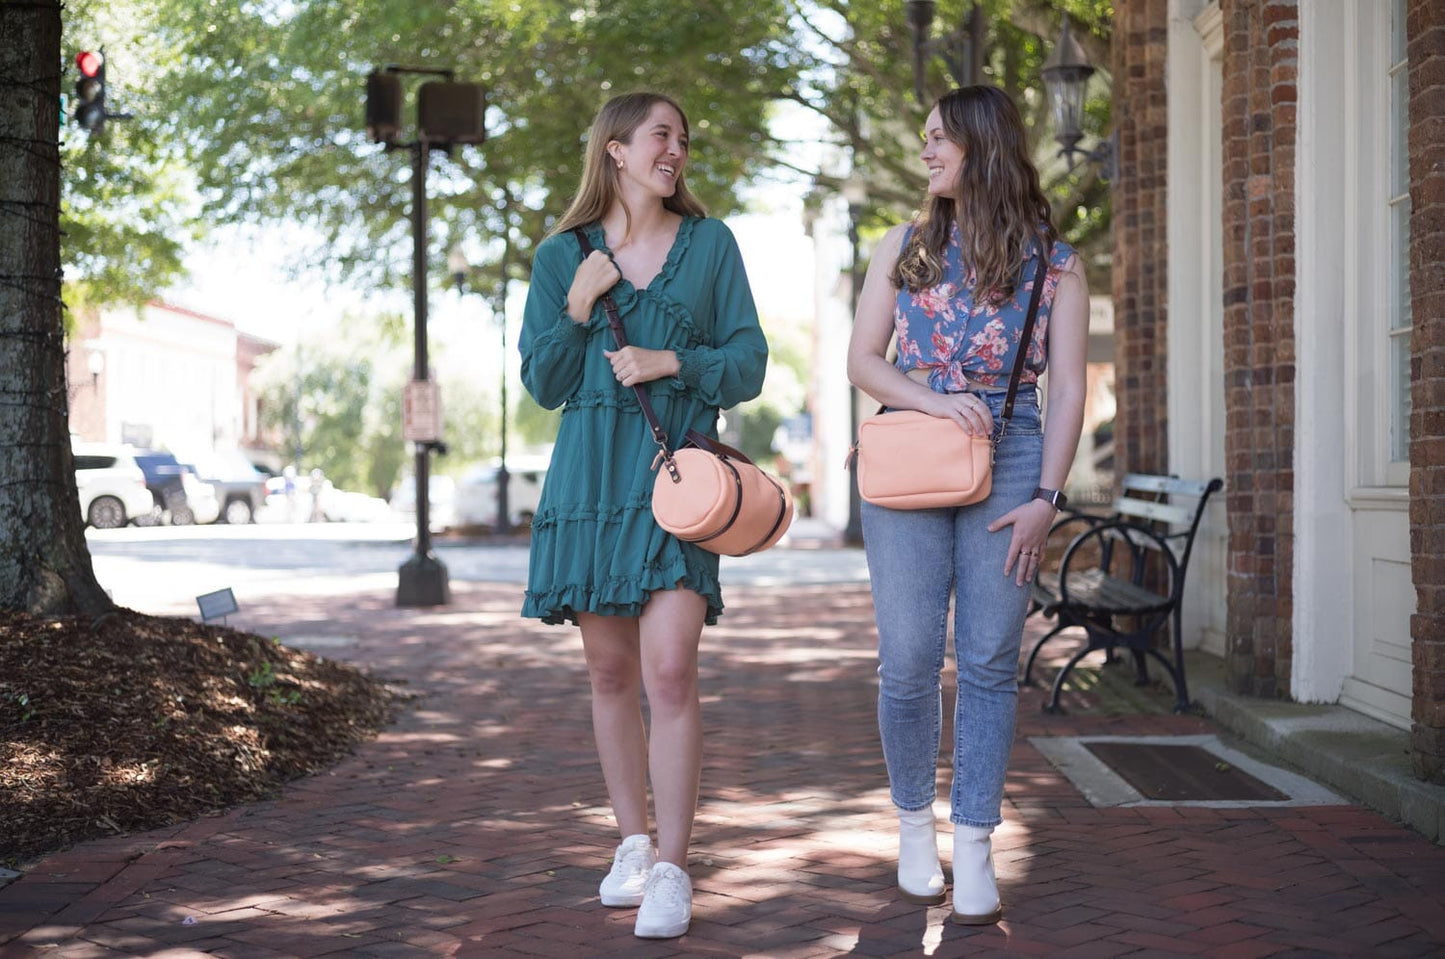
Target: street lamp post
459,267
855,192
448,113
962,51
423,578
504,511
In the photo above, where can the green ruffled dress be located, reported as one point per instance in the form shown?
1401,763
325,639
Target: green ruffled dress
595,545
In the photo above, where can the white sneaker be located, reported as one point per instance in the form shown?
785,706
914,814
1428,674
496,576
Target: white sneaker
631,864
667,904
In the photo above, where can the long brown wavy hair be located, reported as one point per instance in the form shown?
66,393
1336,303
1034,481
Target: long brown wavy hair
618,120
1001,210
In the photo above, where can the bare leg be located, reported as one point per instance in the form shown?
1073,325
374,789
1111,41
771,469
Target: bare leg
671,627
614,666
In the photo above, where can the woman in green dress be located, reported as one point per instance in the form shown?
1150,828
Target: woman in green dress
598,558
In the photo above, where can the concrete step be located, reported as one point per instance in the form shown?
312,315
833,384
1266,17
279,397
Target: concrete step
1363,758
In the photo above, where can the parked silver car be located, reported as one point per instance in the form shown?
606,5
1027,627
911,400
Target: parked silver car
239,486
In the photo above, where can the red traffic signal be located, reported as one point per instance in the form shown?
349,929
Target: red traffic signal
90,112
90,63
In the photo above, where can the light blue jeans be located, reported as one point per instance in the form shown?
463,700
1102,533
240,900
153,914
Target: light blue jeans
916,559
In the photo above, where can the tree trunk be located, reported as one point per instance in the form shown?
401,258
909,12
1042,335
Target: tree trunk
44,563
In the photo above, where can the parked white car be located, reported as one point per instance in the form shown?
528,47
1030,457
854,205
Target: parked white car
441,502
349,506
112,487
476,499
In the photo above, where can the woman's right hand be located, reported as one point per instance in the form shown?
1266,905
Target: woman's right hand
595,276
965,409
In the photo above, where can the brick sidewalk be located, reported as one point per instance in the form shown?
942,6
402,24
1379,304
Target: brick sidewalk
478,824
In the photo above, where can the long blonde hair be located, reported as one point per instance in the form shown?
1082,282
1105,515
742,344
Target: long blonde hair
1001,210
618,120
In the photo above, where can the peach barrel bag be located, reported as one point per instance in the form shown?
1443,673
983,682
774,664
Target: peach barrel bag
907,459
707,493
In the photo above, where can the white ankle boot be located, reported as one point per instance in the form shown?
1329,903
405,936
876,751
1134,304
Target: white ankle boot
975,888
920,877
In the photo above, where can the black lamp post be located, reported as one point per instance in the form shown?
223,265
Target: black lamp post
855,191
1066,75
459,267
962,51
504,509
448,113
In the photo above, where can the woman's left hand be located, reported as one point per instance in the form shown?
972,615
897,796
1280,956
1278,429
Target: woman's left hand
633,364
1030,522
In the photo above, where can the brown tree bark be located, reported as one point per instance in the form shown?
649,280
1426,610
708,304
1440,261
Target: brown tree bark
44,563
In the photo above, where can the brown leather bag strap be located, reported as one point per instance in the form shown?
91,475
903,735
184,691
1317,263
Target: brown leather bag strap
702,442
609,306
1026,340
1022,354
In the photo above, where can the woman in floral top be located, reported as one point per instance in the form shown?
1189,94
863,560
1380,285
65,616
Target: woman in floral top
954,287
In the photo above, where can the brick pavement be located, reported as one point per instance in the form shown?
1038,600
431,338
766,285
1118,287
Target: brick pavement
478,825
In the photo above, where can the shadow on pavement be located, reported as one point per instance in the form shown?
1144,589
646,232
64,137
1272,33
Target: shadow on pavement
478,825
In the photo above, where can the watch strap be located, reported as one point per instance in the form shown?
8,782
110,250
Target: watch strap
1053,497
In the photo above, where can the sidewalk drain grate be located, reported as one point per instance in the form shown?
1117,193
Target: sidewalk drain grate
1176,771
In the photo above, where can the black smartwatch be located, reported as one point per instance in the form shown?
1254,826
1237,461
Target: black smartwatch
1053,497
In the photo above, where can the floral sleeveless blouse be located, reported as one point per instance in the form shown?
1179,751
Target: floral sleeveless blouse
944,331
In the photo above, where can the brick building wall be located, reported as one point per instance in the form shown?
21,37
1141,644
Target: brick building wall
1260,68
1140,273
85,391
1425,27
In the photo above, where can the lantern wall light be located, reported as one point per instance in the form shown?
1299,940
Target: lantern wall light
1066,75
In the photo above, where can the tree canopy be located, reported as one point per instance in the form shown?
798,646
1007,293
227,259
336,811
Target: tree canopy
269,101
851,64
253,112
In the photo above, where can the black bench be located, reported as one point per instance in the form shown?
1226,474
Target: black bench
1122,578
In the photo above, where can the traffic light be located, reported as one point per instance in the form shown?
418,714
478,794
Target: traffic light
90,91
383,107
452,112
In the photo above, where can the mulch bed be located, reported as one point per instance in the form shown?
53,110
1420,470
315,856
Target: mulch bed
128,722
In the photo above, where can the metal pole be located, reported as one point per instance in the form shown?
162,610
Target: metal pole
419,309
977,38
853,533
423,578
504,513
296,412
